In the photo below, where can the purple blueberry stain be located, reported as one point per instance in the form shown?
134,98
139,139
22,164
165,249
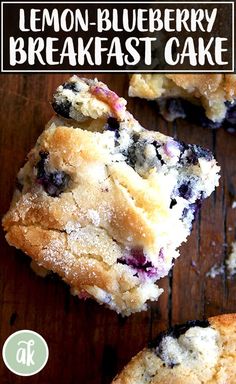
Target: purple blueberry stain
136,259
55,182
171,148
192,209
161,254
191,153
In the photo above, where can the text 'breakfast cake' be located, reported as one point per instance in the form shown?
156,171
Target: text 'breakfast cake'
198,352
208,100
104,202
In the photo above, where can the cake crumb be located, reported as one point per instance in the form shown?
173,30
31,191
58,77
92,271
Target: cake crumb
234,204
216,270
229,267
231,261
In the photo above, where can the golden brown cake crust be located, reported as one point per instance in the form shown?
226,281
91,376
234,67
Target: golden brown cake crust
146,367
211,90
207,84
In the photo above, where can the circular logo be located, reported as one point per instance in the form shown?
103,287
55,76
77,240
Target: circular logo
25,353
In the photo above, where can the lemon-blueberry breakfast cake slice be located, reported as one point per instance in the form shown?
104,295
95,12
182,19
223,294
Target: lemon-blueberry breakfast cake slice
104,202
208,100
198,352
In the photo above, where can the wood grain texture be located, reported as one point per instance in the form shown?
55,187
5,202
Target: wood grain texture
88,344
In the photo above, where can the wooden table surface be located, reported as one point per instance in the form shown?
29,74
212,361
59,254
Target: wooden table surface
89,344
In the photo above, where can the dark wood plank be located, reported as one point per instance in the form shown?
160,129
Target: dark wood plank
88,343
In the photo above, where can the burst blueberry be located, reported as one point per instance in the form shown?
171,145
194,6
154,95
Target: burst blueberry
62,108
138,261
54,183
191,153
185,190
113,125
71,86
178,330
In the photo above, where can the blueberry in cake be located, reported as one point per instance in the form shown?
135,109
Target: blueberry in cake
104,202
208,100
199,352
